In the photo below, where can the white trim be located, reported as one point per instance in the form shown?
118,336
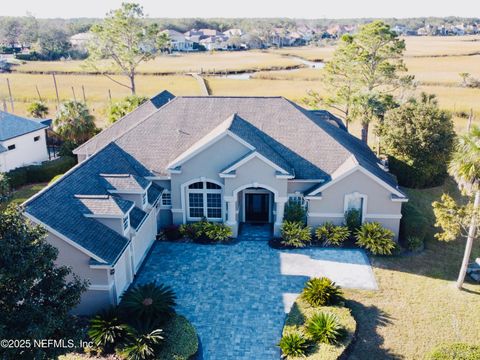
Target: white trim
176,210
255,186
251,156
189,153
158,177
399,199
127,192
185,205
326,215
174,171
384,216
222,175
313,197
284,176
364,171
100,266
308,180
100,287
66,239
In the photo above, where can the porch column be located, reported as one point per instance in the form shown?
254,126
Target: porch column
232,215
279,210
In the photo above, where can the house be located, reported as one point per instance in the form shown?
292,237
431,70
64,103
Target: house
230,159
22,142
215,42
80,41
178,41
233,33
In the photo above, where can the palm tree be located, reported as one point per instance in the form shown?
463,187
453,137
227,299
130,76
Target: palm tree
74,122
465,168
38,109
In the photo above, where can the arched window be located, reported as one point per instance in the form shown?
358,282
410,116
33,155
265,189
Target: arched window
204,200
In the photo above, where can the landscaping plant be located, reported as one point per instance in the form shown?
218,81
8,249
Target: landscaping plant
140,345
294,212
332,235
204,231
375,238
149,302
322,291
353,220
295,234
455,351
293,344
324,327
107,329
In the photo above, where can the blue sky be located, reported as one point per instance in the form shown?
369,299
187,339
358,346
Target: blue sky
249,8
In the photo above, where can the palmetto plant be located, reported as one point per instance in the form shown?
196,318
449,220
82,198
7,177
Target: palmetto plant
293,344
141,345
321,292
149,302
106,329
332,235
38,109
375,238
74,122
325,328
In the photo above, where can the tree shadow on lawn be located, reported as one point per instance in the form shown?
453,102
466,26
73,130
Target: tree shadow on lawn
368,341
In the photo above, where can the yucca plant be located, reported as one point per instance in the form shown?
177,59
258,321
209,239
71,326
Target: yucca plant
375,238
295,234
149,302
321,292
324,327
106,329
140,345
293,344
332,235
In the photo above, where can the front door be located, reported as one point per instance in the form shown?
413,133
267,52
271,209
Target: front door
257,207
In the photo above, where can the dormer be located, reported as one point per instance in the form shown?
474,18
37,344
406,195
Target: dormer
129,187
111,211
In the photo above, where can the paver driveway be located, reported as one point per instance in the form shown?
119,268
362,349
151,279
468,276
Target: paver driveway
237,295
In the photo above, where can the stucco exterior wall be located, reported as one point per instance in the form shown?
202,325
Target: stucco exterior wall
379,206
116,224
123,273
26,152
92,301
300,186
144,238
208,163
136,198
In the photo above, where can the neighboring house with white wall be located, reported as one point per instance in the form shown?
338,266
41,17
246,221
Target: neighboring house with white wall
229,159
178,41
22,142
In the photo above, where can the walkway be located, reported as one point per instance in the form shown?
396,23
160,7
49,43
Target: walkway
237,295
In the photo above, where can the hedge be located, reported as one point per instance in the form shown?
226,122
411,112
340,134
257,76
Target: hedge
40,173
181,340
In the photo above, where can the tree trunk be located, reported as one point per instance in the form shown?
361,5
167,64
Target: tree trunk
132,82
365,132
469,244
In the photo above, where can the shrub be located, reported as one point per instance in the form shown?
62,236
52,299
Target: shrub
321,292
456,351
38,109
293,344
121,108
295,234
40,173
325,328
181,340
204,231
413,223
141,345
294,212
353,220
106,329
332,235
149,302
414,243
172,232
375,238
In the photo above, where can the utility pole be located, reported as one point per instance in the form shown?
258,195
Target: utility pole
10,94
470,119
56,88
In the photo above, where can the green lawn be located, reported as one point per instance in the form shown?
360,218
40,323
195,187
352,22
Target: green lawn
417,305
22,194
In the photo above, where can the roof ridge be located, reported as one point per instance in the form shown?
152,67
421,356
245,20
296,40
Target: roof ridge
119,121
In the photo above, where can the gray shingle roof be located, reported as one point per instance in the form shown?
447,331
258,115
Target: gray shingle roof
104,205
121,182
125,123
153,193
58,207
136,217
12,126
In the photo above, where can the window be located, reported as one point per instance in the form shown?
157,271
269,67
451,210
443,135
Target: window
166,198
36,138
11,147
297,198
204,200
125,223
355,201
144,198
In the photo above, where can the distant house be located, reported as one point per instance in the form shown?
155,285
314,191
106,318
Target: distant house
80,41
22,142
178,41
233,33
215,43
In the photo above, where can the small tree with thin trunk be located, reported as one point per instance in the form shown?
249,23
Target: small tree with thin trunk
38,109
458,219
74,123
122,42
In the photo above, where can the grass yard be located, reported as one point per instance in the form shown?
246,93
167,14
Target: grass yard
417,306
22,194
